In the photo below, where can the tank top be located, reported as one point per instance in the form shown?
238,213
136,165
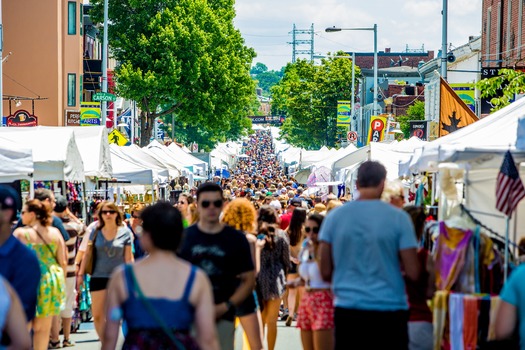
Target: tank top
309,271
177,314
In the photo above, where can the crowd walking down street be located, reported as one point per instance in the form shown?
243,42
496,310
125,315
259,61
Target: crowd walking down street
254,261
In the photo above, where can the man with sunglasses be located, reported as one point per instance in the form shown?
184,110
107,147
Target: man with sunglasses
224,254
363,245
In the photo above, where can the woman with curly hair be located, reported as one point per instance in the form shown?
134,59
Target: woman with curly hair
241,215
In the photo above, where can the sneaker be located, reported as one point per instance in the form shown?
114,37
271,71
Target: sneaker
285,315
54,344
67,343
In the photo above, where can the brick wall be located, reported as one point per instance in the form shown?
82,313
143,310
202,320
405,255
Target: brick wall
366,61
506,45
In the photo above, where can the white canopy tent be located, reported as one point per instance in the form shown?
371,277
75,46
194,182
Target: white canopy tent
55,152
187,159
160,175
162,154
16,161
124,170
93,145
146,158
394,155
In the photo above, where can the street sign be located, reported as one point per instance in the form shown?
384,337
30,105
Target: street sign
104,96
117,138
351,136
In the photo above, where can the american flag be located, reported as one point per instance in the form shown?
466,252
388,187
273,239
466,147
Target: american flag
509,188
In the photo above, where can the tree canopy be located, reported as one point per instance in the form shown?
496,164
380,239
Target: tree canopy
308,96
183,57
509,82
414,112
264,78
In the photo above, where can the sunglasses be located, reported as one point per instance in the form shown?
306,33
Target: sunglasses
182,202
216,204
135,216
108,211
313,229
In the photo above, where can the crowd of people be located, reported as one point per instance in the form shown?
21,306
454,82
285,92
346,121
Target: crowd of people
255,247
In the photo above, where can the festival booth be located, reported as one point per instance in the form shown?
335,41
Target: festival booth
16,160
467,163
161,153
194,164
55,152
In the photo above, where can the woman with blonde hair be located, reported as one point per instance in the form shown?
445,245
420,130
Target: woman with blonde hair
241,215
50,248
111,241
394,194
334,203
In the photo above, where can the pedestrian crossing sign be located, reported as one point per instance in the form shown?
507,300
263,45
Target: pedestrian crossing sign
117,138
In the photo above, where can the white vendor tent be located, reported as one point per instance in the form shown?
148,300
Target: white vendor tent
395,155
124,170
146,158
16,161
187,159
93,145
160,175
55,151
161,153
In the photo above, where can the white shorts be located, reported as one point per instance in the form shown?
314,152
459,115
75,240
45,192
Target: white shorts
71,295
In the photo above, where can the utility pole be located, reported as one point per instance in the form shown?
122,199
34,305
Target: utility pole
105,63
296,42
444,61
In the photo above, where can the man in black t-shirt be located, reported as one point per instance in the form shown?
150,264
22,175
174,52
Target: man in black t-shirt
224,254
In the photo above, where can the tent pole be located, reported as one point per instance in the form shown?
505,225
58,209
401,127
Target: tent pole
31,187
506,267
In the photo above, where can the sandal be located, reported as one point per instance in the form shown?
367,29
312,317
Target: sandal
54,344
67,343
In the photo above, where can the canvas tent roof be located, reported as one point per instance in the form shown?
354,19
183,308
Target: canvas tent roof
17,161
55,151
162,154
481,143
124,170
160,175
93,145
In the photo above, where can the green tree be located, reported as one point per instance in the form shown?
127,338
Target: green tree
183,57
258,68
308,96
512,81
414,112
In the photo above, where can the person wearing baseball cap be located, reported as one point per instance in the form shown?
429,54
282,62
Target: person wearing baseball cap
18,264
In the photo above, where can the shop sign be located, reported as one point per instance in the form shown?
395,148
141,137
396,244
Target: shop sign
89,113
22,118
72,118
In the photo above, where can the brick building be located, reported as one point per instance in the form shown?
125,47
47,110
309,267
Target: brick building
503,34
402,97
385,59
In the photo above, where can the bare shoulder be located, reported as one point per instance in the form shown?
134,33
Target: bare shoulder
23,233
251,238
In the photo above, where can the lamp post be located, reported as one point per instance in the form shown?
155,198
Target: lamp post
374,29
103,108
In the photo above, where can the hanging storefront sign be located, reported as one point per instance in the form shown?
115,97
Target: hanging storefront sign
89,113
72,118
344,113
376,133
22,118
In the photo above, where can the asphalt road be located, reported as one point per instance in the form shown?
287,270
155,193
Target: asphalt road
288,338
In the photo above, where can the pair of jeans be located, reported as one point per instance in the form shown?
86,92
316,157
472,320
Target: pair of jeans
375,329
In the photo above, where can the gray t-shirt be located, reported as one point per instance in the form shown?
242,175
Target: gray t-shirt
366,237
110,254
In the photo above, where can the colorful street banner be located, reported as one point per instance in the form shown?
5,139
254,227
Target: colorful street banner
89,113
376,132
418,128
344,113
454,113
466,92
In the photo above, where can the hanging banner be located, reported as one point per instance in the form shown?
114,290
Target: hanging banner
344,113
418,128
22,118
465,92
89,113
454,113
376,132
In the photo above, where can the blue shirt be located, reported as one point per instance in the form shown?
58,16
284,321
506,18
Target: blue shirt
514,293
19,266
366,237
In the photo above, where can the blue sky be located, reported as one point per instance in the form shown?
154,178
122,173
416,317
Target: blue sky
265,25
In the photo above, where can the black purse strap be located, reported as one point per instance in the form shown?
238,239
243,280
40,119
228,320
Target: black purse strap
152,311
47,245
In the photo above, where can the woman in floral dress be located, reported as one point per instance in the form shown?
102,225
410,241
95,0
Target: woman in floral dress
49,246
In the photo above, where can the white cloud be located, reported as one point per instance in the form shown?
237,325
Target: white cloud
266,25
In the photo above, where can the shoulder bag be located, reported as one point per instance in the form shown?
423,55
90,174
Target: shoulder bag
91,255
47,246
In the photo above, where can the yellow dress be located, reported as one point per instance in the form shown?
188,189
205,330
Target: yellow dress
52,288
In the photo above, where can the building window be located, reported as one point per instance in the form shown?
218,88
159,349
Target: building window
72,17
81,17
71,90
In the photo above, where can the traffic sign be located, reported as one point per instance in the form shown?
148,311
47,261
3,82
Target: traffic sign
104,96
117,138
351,136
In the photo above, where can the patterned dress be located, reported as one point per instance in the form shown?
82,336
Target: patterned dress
271,280
51,295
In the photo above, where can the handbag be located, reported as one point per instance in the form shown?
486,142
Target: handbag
91,255
181,341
